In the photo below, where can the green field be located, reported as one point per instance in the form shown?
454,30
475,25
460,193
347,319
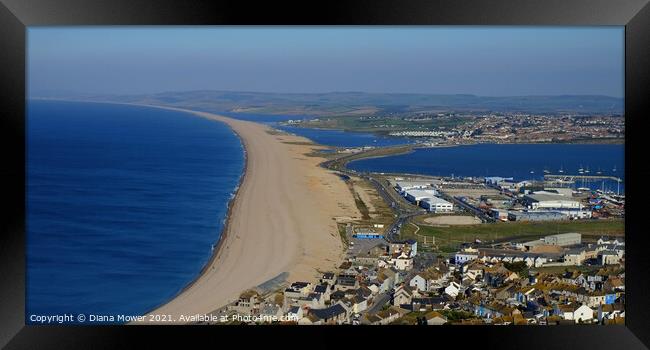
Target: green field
449,238
386,124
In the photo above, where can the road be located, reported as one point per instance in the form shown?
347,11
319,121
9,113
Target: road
402,209
380,300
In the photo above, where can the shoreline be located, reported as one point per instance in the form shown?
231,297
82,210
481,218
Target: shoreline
230,236
282,221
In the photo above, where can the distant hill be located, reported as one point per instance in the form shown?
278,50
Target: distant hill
355,103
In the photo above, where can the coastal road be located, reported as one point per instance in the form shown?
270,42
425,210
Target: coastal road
403,211
380,300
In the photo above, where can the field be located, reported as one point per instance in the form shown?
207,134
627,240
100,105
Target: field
448,239
387,124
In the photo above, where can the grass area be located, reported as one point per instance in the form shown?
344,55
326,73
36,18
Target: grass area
361,206
409,319
300,143
456,315
381,213
340,161
561,269
387,124
449,238
343,235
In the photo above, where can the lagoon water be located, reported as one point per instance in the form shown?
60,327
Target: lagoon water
340,138
123,204
506,160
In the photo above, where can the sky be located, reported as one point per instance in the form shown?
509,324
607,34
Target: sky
479,60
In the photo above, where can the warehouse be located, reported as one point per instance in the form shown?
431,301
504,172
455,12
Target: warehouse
535,216
564,239
550,201
416,196
437,205
403,186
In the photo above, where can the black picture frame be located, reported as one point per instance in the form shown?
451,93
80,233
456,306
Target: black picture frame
16,15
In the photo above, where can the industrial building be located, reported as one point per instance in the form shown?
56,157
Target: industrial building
416,196
436,205
499,214
550,201
535,216
575,213
494,180
403,186
564,239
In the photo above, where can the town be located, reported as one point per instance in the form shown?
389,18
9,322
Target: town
394,275
471,127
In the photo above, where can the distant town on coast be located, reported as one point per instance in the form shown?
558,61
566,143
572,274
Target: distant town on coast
222,201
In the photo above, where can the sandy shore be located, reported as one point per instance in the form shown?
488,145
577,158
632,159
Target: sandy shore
283,219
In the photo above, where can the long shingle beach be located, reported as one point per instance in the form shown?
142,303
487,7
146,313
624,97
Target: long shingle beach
281,220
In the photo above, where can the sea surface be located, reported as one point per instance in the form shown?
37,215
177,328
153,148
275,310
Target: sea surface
520,161
124,204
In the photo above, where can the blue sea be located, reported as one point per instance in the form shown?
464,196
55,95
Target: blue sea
123,204
520,161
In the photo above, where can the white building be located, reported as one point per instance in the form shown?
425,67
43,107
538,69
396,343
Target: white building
465,255
584,313
418,282
608,257
436,205
453,289
403,186
563,239
416,196
550,201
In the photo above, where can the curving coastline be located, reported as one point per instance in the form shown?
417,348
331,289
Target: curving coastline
281,220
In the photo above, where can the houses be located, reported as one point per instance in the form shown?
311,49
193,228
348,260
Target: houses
453,289
429,303
271,312
610,311
418,282
346,281
335,314
328,278
297,290
482,284
402,262
409,246
465,255
384,317
295,313
579,313
608,257
249,303
403,295
434,318
575,256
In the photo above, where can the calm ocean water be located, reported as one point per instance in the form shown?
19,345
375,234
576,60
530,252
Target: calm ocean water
507,160
123,204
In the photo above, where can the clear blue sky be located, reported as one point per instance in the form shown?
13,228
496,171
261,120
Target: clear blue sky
488,61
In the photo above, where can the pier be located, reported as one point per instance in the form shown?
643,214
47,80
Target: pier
581,177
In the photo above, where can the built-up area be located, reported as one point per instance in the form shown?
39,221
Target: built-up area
387,278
